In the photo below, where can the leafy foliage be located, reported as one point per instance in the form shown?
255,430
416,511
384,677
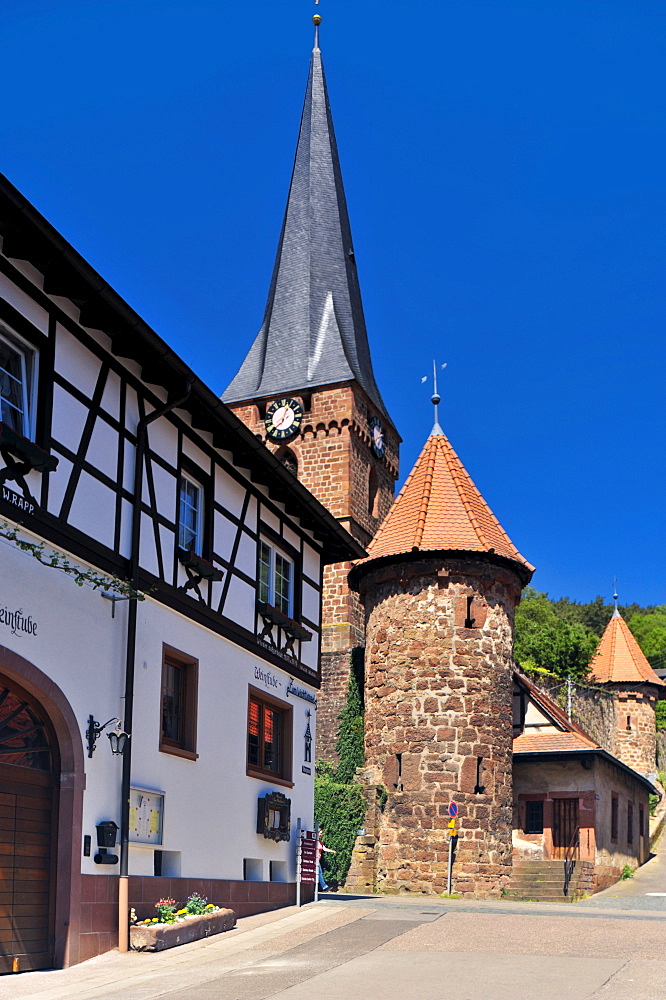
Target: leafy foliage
349,745
340,811
557,635
548,638
660,715
56,560
339,802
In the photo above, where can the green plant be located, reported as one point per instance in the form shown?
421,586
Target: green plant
196,903
349,745
383,796
56,560
627,872
339,811
654,802
166,910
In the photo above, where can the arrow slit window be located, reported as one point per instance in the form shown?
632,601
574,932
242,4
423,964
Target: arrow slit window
276,578
17,372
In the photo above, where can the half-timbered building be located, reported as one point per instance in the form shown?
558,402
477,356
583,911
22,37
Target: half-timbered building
160,567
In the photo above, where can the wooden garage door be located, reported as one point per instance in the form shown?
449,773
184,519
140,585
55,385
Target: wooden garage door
27,842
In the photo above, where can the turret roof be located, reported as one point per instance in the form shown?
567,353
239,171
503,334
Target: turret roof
440,508
313,333
619,659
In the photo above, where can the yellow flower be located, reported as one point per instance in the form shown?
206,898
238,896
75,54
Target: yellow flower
180,912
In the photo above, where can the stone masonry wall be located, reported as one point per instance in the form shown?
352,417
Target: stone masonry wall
336,463
438,721
592,706
636,740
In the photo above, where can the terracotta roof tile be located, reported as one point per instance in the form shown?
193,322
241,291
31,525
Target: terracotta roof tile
529,742
619,659
439,507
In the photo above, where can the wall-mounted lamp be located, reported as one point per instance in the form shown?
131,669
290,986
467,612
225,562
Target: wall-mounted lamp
117,738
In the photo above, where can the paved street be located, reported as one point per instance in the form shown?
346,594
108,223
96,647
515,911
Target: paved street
610,947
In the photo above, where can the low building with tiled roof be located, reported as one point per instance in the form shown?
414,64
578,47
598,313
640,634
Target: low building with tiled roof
573,801
621,665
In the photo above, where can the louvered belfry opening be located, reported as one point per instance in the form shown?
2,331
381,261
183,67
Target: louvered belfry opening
29,769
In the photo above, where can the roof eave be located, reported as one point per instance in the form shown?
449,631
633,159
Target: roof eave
68,274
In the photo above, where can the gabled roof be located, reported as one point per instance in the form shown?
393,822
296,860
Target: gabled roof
28,236
569,738
440,508
313,333
619,659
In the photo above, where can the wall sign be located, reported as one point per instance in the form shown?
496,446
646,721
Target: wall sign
146,816
300,692
267,678
27,506
17,622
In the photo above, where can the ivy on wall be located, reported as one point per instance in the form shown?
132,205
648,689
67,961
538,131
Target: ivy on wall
56,560
339,802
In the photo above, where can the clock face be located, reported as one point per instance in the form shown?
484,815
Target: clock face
377,437
283,418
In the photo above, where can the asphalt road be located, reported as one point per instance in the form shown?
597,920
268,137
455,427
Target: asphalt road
611,947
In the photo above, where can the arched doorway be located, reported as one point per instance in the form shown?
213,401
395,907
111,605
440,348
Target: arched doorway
29,784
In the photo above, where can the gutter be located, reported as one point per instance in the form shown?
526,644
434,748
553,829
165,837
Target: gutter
130,657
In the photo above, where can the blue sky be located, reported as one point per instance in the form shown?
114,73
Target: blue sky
504,167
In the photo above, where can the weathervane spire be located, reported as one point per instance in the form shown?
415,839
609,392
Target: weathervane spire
316,20
435,398
616,613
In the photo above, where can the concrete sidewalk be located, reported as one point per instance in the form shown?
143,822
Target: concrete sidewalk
388,948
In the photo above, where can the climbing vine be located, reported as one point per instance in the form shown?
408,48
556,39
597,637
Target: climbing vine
56,560
339,802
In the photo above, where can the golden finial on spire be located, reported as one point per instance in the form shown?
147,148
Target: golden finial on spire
316,20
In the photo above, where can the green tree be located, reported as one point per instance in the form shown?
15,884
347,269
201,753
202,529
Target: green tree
552,640
649,630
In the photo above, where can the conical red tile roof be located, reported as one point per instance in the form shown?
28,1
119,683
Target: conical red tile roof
619,659
439,507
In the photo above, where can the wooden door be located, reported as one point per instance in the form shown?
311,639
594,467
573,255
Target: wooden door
28,807
565,828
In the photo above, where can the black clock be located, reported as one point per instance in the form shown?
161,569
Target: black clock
377,437
283,418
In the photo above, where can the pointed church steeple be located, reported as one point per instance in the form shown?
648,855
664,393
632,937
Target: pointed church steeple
313,333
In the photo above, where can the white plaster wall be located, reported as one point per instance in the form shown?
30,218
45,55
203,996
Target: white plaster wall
81,648
210,809
24,304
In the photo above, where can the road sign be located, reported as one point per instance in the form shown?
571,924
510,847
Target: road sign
453,810
452,825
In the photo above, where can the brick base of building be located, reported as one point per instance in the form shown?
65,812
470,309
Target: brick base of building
98,926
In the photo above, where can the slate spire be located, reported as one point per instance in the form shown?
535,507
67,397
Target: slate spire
313,333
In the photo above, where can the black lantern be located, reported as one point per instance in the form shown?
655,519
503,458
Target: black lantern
118,740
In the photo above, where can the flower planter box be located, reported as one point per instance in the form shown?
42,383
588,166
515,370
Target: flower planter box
159,937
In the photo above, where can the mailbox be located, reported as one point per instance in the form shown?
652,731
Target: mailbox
106,833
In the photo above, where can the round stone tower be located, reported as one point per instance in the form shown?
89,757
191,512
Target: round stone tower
621,666
440,587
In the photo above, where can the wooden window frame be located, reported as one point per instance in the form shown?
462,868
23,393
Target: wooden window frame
532,802
187,746
292,558
29,366
198,546
615,817
284,776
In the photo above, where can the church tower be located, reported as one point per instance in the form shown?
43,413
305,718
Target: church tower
620,665
440,586
307,388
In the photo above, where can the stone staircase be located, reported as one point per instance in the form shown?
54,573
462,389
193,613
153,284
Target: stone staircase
544,881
